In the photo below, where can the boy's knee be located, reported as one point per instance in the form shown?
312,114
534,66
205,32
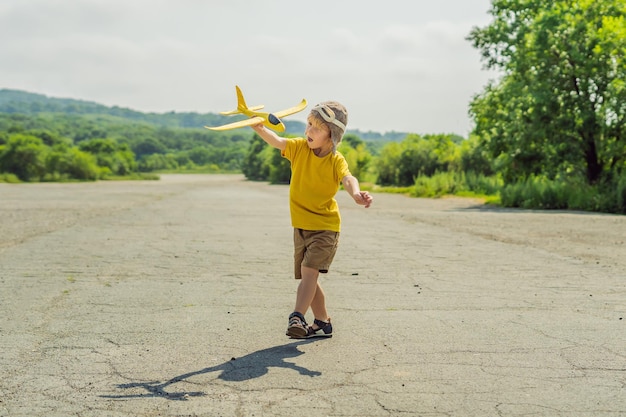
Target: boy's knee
309,273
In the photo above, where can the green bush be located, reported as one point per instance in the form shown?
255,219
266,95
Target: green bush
24,156
158,162
63,163
479,183
255,167
445,183
357,155
387,165
572,194
279,167
9,178
117,157
620,192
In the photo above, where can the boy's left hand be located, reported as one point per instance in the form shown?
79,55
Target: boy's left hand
363,198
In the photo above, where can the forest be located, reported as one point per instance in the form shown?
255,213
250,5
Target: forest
53,139
549,133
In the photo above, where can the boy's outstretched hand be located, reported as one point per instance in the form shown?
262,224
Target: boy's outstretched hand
363,198
351,184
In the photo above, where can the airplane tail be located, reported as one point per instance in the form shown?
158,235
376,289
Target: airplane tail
241,105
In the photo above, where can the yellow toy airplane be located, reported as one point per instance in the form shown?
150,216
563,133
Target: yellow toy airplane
271,120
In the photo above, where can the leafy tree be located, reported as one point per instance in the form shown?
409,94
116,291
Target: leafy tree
117,157
24,156
420,156
279,167
352,140
559,108
416,156
148,146
387,164
357,155
201,155
254,165
70,162
158,162
48,137
474,158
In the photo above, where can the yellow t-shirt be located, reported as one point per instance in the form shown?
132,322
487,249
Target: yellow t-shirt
314,184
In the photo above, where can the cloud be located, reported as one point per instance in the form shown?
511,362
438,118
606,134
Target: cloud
41,19
405,67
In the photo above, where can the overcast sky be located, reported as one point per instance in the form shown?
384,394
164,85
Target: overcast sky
400,65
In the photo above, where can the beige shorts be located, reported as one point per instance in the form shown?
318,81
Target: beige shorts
314,249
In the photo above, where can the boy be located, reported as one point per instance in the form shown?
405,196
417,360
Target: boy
316,171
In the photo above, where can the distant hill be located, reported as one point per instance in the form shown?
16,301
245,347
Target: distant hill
15,101
22,102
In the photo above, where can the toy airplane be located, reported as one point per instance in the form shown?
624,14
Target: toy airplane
271,120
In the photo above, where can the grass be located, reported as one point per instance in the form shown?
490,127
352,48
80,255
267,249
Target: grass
9,178
532,193
571,194
389,189
135,176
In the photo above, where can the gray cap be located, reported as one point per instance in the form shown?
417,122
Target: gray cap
335,116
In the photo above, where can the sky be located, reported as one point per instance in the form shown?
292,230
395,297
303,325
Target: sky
397,65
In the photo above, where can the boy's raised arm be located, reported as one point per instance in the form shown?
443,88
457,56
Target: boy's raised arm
270,137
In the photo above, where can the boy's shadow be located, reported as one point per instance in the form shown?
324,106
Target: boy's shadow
253,365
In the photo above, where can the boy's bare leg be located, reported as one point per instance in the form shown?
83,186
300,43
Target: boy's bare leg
310,294
318,305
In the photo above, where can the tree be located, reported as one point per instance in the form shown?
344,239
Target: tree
117,157
473,158
387,164
560,105
358,157
24,156
157,162
148,146
64,161
279,166
254,166
400,164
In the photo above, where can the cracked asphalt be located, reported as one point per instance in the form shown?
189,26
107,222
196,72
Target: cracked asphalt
170,298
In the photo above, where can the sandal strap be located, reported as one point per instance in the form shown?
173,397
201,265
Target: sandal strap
321,324
296,318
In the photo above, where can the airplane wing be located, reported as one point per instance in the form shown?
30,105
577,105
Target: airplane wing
295,109
261,118
241,123
237,111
